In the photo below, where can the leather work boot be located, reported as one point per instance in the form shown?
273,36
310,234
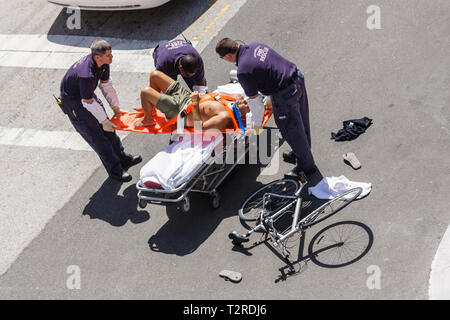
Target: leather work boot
124,177
289,157
293,174
297,172
131,161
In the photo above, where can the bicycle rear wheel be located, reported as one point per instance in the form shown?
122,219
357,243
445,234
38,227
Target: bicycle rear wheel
252,207
331,207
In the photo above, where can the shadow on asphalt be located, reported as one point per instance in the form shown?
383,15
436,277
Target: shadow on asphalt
335,246
156,24
184,232
115,209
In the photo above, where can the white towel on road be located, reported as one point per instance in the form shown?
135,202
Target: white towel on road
330,188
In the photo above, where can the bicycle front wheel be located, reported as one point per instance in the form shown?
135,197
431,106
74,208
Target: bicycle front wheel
331,207
253,206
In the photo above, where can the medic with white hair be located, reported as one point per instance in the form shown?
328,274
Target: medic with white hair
87,113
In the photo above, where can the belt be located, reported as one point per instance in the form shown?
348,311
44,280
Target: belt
289,81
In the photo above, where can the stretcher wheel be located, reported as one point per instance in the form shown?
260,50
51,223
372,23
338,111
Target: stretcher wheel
142,203
186,205
216,201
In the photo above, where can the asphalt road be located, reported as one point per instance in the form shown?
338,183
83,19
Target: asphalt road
60,210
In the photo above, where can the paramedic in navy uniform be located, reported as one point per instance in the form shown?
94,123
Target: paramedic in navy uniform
261,69
179,57
86,111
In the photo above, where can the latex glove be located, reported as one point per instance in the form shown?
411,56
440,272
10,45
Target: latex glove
108,125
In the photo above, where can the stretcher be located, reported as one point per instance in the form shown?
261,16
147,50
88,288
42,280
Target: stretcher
204,173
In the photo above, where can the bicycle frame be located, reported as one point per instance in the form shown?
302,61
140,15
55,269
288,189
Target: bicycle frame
267,218
267,223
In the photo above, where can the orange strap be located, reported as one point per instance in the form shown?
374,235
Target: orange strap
209,97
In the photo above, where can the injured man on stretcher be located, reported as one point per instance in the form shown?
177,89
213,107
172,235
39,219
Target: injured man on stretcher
170,97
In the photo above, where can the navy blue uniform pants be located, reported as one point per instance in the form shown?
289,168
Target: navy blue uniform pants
107,145
291,112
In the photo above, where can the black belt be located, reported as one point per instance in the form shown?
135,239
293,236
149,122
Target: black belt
289,81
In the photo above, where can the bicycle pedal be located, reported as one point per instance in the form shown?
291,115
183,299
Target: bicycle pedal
231,275
237,238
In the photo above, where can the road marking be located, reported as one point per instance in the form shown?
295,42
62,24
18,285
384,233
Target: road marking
22,222
211,24
439,285
45,139
60,52
208,25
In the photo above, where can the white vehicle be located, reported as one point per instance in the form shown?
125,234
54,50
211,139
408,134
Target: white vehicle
109,5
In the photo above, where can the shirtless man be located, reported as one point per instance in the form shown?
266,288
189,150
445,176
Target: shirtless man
170,97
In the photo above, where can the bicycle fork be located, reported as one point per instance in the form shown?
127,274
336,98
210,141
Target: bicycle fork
267,225
278,239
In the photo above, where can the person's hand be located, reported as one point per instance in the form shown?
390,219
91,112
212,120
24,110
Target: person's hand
117,111
108,125
243,106
195,97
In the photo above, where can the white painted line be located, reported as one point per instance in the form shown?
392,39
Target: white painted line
60,52
439,288
45,139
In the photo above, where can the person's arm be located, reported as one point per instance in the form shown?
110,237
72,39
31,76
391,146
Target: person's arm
110,94
199,77
195,99
220,121
92,105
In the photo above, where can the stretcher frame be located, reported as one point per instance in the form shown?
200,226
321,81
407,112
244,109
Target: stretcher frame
205,180
199,181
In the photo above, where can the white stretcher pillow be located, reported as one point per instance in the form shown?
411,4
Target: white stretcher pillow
179,161
231,88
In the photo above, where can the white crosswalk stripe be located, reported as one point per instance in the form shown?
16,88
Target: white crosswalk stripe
60,52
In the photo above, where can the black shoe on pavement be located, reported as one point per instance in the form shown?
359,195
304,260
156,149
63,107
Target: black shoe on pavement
289,157
131,161
311,171
293,174
296,173
124,177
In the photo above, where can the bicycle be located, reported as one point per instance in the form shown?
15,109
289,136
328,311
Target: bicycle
272,202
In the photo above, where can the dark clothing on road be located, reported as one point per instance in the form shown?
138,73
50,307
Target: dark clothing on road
262,69
352,129
166,58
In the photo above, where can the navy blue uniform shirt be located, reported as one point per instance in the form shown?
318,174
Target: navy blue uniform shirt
262,69
167,55
82,78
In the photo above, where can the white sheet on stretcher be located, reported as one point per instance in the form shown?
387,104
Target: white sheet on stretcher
179,161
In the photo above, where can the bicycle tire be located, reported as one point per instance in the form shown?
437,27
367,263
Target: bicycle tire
251,208
331,207
340,244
